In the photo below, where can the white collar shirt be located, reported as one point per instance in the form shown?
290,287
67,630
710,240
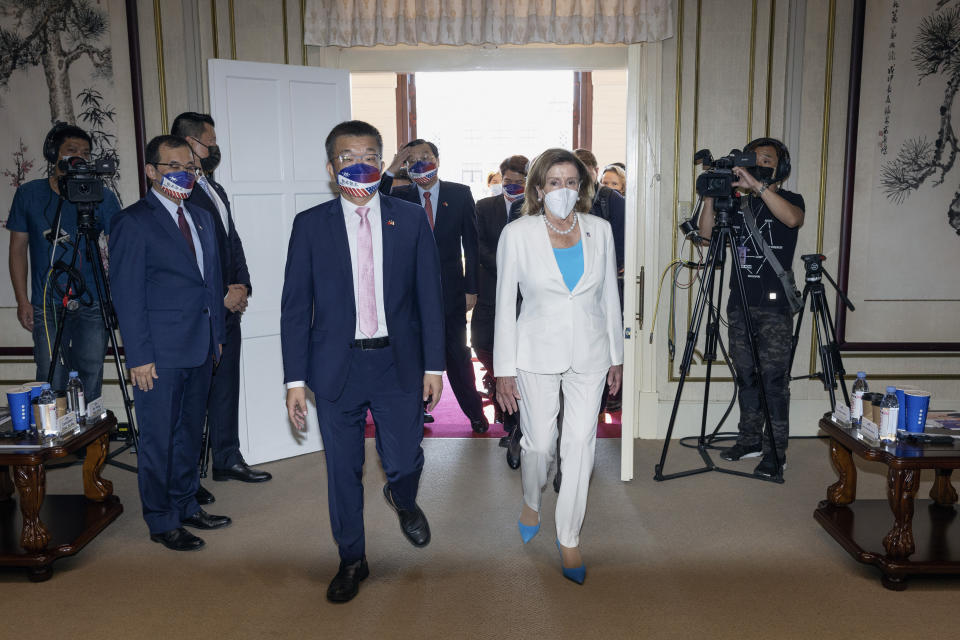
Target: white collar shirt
352,220
217,202
171,208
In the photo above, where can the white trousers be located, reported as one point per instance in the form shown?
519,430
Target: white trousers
539,406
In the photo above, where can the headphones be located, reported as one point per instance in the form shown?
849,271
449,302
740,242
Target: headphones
51,144
783,156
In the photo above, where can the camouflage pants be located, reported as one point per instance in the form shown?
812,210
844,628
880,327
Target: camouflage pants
774,333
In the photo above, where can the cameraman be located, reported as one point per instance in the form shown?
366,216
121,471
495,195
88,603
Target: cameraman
779,214
32,215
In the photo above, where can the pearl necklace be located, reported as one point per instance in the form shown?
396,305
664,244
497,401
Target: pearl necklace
562,233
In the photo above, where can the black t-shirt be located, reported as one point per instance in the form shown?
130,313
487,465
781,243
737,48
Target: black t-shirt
760,282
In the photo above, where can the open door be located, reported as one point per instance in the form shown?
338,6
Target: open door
272,121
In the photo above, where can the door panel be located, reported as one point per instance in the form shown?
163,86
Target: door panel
272,121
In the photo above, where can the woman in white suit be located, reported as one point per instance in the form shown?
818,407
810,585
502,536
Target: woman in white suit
568,333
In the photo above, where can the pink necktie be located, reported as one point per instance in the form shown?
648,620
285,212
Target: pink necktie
367,291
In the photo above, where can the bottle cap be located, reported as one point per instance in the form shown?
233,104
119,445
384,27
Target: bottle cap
891,389
73,374
861,374
45,386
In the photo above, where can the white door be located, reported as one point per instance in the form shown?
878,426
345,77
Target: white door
272,121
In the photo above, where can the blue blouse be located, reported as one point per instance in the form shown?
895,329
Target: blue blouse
570,261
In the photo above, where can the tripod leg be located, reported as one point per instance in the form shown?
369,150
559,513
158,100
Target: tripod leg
824,348
104,297
838,367
705,291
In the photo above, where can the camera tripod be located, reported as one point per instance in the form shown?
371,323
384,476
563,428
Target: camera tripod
721,241
87,234
823,326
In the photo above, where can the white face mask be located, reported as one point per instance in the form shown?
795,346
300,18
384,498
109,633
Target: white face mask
496,189
560,202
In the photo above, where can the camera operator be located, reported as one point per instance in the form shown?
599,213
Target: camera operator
33,219
779,214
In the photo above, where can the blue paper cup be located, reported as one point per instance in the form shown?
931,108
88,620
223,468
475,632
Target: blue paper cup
35,389
916,404
902,413
19,400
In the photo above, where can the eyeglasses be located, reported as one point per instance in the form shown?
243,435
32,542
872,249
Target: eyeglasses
368,158
176,166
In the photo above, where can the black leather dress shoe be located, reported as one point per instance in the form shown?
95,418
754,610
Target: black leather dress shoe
480,425
203,520
241,471
513,448
505,441
412,521
178,539
204,497
346,583
427,418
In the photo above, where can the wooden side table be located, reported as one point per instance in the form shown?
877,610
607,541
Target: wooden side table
45,528
893,534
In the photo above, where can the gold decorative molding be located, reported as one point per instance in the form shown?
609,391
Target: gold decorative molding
233,32
213,22
161,76
773,14
678,82
753,64
303,31
824,157
286,37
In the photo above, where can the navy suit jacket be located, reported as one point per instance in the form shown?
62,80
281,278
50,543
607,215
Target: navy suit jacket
318,316
233,261
169,314
455,233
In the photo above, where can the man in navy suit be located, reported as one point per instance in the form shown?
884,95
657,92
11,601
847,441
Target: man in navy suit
168,296
223,405
361,324
452,215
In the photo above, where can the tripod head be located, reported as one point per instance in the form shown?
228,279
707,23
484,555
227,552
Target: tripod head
813,265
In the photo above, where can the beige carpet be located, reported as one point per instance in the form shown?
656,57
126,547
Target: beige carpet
706,556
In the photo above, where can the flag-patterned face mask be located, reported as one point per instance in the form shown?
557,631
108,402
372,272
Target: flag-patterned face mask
178,184
422,172
512,191
359,180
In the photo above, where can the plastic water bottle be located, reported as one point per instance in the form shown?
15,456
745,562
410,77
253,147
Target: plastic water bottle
889,411
75,400
860,387
47,426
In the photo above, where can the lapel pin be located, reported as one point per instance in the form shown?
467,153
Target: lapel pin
445,203
391,223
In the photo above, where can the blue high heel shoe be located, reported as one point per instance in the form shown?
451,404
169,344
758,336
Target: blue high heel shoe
577,574
527,532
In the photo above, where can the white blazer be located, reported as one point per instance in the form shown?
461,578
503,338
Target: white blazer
557,329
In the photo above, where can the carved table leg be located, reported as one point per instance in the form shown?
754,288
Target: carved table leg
95,487
31,484
844,490
902,485
942,492
6,483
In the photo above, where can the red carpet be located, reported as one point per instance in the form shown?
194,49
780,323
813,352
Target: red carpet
449,421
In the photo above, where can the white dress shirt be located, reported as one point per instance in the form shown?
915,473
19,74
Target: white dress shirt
434,199
352,221
217,202
172,208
